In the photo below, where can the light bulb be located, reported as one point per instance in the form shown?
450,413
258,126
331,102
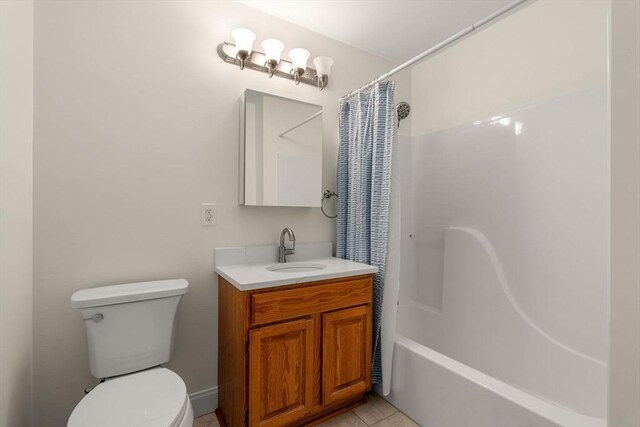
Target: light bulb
272,49
243,39
323,65
323,68
299,58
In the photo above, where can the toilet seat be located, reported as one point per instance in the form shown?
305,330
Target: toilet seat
153,398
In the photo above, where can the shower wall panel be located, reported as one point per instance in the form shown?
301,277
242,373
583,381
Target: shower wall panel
535,182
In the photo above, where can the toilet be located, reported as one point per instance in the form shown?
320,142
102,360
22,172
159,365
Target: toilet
130,332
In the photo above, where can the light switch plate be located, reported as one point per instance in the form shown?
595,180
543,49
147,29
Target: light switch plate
208,214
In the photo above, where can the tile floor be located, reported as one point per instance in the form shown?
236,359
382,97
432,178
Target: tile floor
376,412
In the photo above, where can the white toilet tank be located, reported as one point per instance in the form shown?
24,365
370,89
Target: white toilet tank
129,327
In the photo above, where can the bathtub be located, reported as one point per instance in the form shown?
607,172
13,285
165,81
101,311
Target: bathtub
496,313
437,391
468,365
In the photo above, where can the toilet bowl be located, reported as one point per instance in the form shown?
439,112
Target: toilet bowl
130,331
153,398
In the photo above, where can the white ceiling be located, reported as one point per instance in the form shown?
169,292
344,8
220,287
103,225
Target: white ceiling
394,29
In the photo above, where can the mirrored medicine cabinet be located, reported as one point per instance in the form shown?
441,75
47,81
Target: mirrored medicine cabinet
280,151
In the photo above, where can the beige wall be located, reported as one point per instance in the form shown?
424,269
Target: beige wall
548,48
136,124
624,398
16,208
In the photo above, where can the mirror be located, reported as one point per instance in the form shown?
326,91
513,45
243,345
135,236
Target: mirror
280,151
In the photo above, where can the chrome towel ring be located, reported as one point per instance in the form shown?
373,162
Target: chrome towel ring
327,194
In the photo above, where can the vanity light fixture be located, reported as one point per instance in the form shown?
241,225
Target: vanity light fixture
272,51
242,54
244,39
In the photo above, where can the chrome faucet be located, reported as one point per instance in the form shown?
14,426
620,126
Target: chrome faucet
283,251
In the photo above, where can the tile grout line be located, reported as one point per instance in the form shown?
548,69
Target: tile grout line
381,420
359,417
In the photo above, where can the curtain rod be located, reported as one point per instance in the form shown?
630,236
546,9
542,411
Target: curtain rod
308,119
440,45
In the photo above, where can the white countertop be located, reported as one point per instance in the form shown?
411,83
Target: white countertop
254,275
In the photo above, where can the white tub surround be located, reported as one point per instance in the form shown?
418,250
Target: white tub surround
248,268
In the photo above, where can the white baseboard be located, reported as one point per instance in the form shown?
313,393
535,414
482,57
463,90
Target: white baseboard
204,401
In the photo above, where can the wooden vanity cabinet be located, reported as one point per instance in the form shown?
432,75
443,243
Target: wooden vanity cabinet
293,355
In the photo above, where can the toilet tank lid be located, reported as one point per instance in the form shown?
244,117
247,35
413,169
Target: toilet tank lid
130,292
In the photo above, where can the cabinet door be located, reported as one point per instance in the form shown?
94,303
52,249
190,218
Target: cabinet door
346,353
281,362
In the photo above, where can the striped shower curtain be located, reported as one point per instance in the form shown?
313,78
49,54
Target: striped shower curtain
367,130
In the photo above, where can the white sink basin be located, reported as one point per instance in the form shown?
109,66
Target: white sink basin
296,267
